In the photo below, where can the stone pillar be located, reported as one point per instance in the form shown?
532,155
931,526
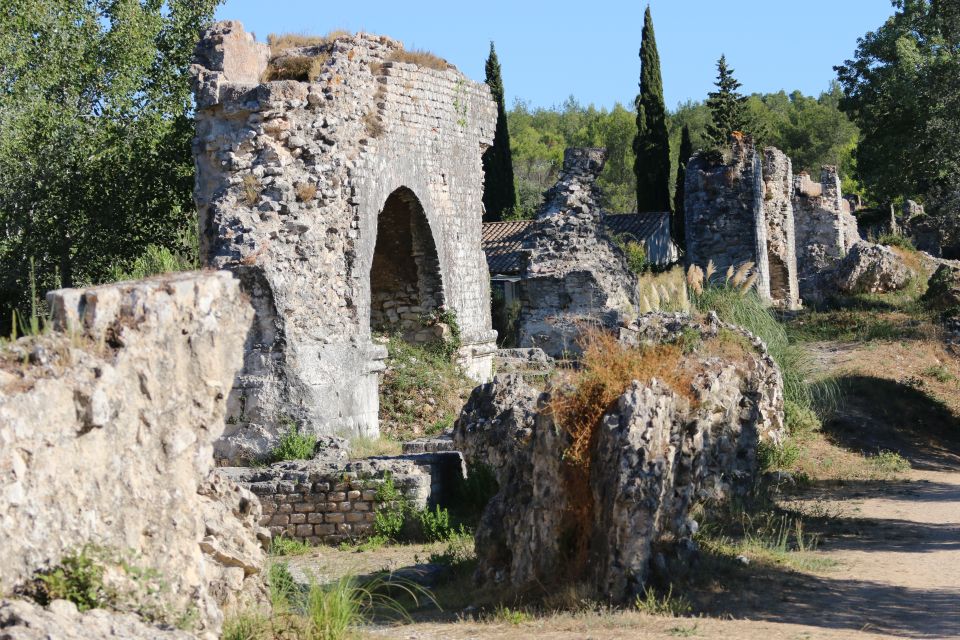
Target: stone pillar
781,236
725,216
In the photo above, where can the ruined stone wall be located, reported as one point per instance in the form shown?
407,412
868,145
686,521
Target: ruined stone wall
292,179
327,503
825,228
781,234
107,429
725,212
572,274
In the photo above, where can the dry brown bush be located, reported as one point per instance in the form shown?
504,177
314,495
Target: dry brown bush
302,68
251,189
306,191
373,124
420,58
280,42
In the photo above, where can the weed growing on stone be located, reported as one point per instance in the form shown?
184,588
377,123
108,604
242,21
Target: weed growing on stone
78,579
251,189
420,58
294,445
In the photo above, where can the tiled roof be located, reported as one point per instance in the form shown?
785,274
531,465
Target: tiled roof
503,241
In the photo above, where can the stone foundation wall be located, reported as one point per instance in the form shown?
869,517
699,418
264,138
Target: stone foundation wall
725,212
293,182
326,503
107,427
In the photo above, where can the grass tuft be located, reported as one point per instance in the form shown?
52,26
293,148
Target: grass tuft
419,58
668,605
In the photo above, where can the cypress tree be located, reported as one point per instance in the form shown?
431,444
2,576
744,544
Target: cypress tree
499,194
652,143
727,107
678,220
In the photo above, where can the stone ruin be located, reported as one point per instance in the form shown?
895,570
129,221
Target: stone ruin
658,452
107,429
826,229
572,275
742,211
753,209
347,205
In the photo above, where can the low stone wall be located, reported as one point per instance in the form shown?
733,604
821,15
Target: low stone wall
322,502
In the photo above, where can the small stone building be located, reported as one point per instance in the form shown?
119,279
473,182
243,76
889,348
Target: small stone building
348,204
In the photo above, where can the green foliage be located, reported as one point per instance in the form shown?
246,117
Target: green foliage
282,588
746,310
635,252
939,373
435,525
727,108
79,579
773,456
896,240
283,546
397,520
391,511
668,605
889,462
678,219
651,146
294,445
156,260
95,135
901,89
499,192
506,615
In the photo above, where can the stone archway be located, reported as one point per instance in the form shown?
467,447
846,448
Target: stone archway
406,283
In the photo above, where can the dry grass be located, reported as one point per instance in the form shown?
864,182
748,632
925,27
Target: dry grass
306,191
373,124
420,58
301,68
665,291
280,42
251,189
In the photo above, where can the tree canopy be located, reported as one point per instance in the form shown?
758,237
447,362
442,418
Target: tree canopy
95,134
651,145
726,104
902,89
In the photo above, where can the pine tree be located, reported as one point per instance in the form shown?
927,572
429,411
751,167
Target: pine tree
727,107
499,194
678,220
652,143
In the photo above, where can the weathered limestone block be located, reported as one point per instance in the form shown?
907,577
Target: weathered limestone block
656,455
21,620
347,205
781,234
825,231
872,268
943,290
107,429
227,54
725,213
572,274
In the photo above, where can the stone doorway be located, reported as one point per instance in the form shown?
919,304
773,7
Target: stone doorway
406,286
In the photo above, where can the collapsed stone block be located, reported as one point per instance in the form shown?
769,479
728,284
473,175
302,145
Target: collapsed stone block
347,204
872,268
572,274
107,428
656,454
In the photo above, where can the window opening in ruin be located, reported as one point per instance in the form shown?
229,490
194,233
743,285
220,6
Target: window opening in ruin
779,278
406,287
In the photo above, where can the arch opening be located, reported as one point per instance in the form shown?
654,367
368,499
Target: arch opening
406,285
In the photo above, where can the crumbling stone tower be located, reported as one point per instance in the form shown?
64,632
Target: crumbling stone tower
347,205
740,212
573,275
825,228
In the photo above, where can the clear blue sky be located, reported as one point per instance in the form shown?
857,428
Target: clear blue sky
550,50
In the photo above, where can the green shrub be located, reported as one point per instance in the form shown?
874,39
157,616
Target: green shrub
778,456
392,510
283,546
895,240
668,605
635,252
890,462
294,445
435,525
283,589
78,579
